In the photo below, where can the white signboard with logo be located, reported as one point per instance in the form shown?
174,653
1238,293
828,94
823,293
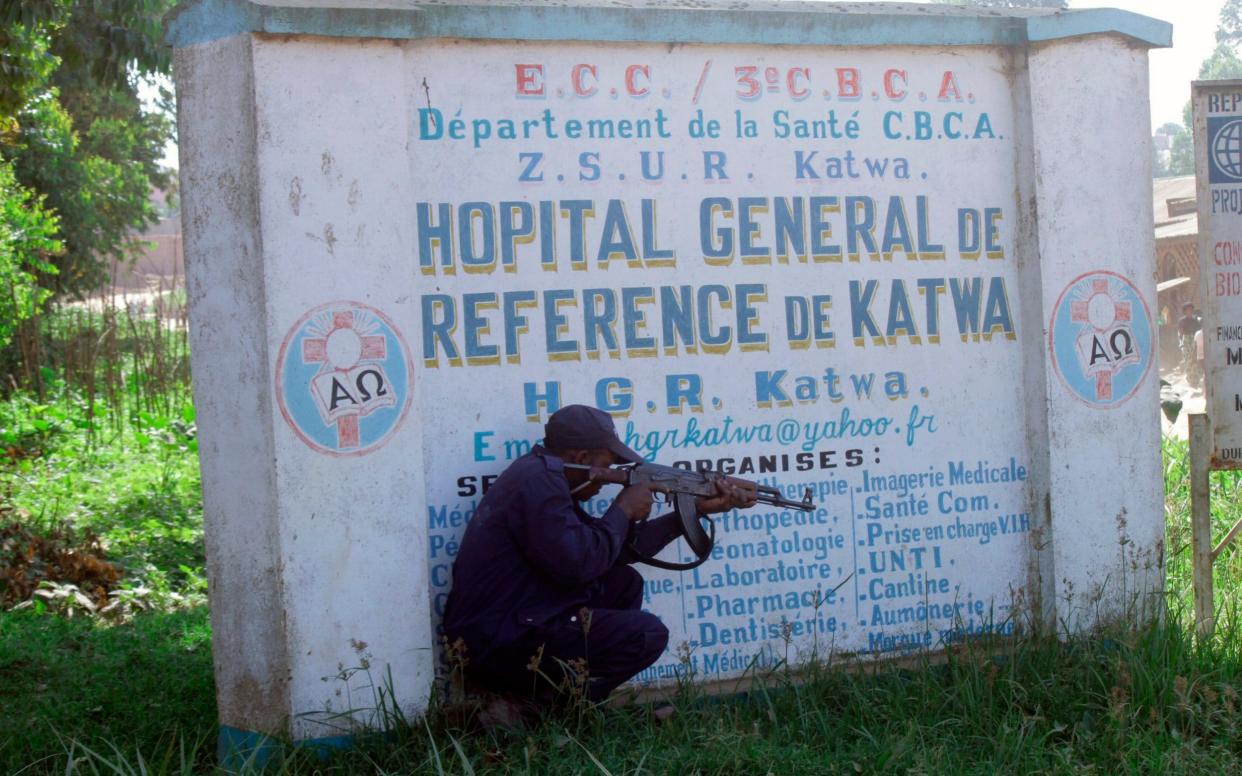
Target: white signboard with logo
1218,166
760,262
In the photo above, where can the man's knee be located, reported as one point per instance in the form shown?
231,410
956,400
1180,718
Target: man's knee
631,641
655,638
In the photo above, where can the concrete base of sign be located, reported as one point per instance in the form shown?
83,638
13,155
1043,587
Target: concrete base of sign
902,257
240,751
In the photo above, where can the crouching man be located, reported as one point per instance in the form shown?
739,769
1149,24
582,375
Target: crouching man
536,575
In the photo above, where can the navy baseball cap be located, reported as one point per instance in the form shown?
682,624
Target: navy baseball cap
579,427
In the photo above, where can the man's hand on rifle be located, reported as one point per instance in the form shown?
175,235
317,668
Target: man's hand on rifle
635,501
728,496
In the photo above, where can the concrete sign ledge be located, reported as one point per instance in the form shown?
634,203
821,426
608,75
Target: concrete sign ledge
774,22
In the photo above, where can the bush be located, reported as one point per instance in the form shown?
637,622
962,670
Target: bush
27,242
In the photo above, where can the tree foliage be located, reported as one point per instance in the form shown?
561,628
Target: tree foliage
103,40
98,180
27,244
78,135
1222,63
25,59
1229,29
1182,155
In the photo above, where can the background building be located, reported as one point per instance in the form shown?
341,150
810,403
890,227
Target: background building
1177,255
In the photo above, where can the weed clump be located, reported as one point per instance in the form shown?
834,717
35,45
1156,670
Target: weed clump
36,564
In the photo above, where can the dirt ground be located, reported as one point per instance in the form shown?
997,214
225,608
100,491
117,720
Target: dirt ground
1192,400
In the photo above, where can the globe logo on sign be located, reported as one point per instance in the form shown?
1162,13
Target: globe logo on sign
1226,150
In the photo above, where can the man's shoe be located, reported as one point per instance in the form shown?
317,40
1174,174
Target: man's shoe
501,713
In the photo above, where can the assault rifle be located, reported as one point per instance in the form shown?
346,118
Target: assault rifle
681,488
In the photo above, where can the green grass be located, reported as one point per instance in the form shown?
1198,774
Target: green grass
1103,705
1226,500
1149,703
141,685
134,694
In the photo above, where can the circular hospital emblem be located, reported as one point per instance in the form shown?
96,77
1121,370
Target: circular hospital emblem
344,378
1101,338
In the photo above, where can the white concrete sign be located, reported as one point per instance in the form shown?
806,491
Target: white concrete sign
1218,166
886,253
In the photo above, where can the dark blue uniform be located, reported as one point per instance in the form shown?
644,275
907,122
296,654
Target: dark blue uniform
529,561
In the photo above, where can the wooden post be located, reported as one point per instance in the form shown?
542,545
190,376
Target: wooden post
1223,543
1201,522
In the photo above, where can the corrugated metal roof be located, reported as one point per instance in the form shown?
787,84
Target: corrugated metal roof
1179,228
1169,226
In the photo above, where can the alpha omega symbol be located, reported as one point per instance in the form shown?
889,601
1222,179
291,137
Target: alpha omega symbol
343,378
1101,338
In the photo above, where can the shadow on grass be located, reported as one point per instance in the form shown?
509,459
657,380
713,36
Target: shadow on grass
143,685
